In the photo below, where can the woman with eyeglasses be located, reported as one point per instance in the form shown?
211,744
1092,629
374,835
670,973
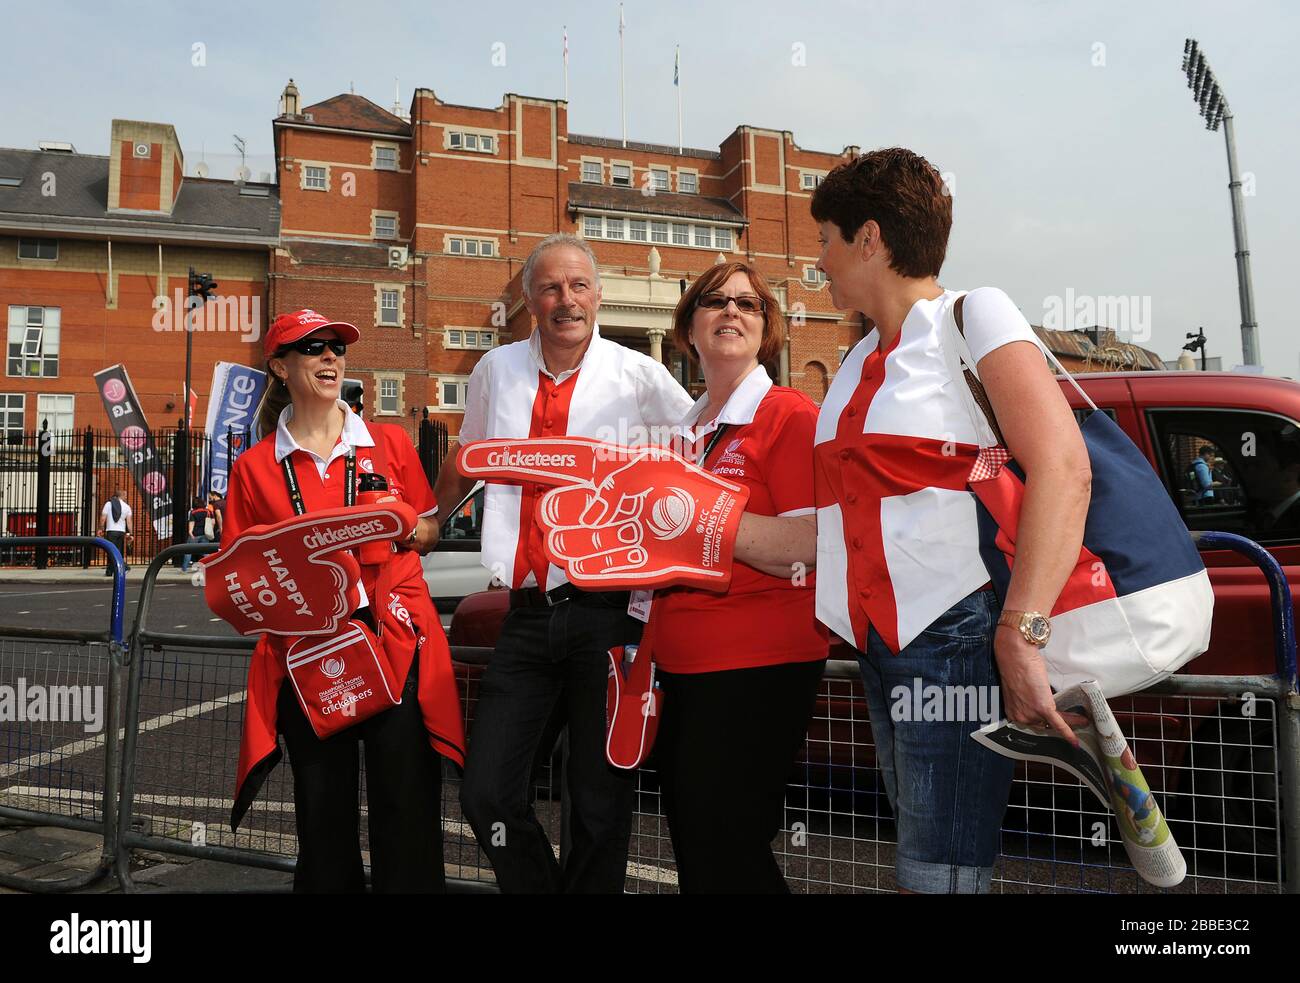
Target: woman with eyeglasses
309,432
740,669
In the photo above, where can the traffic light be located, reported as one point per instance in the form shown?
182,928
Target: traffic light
202,286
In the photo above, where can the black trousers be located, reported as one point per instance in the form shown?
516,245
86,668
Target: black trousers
726,746
118,539
550,669
403,789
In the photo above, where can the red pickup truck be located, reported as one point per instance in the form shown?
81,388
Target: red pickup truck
1251,427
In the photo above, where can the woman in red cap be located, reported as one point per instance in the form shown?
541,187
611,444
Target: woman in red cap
304,423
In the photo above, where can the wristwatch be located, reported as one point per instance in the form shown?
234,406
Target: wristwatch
1034,625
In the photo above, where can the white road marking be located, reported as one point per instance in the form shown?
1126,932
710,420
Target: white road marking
73,748
47,593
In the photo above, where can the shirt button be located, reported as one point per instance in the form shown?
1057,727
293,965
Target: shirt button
844,455
327,474
857,542
851,497
554,393
852,411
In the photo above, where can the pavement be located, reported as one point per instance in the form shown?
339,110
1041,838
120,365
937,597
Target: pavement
93,575
49,853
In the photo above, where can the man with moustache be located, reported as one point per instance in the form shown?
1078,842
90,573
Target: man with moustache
550,665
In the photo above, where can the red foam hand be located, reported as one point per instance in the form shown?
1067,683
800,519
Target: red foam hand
621,517
298,576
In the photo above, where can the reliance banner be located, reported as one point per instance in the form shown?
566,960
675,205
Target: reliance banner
232,410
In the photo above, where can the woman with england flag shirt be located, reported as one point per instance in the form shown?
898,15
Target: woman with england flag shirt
739,670
900,574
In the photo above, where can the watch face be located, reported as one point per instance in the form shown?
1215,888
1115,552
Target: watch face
1039,629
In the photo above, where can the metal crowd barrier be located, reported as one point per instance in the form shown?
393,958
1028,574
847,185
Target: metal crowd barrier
1218,773
53,772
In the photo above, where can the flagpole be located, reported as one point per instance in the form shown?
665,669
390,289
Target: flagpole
677,80
566,64
622,105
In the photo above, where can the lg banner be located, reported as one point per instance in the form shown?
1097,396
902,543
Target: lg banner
138,448
232,409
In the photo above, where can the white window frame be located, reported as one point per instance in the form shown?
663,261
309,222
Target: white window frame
661,234
730,244
398,311
468,339
808,180
635,226
598,163
699,232
613,222
661,179
375,148
49,335
7,415
461,382
614,166
681,229
39,242
693,175
375,217
813,278
590,231
381,381
459,139
71,412
472,246
304,169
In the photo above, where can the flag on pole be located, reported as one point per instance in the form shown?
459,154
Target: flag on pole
566,63
677,66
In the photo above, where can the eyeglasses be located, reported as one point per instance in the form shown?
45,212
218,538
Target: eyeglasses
312,347
745,303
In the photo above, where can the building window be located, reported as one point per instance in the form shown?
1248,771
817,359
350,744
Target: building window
460,246
388,306
703,236
813,276
809,182
389,398
591,226
722,238
591,172
453,393
11,417
38,248
55,411
385,226
658,231
483,143
33,341
621,175
613,228
315,178
469,339
385,158
681,235
636,230
687,182
659,179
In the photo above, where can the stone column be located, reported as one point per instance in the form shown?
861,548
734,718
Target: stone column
656,336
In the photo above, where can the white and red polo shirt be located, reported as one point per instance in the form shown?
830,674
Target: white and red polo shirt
761,620
615,394
897,535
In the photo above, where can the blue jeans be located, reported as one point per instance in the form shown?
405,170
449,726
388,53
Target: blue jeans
947,791
185,560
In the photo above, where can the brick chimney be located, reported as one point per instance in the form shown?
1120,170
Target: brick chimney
144,168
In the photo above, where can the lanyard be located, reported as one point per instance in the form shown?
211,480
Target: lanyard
713,441
295,493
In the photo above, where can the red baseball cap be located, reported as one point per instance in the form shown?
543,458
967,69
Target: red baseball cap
288,328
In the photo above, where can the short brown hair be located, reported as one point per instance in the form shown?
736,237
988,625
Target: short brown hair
906,196
712,279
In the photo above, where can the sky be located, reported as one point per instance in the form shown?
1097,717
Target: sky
1083,179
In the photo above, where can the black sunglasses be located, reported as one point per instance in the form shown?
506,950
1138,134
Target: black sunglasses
312,347
745,303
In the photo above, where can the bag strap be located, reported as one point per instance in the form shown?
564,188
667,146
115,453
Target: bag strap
972,380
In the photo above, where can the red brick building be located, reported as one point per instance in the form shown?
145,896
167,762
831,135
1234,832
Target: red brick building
416,229
88,245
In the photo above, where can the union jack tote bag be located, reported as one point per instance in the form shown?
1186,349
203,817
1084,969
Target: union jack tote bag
1138,604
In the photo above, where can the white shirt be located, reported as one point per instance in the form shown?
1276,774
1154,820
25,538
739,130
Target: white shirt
738,410
119,525
621,396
